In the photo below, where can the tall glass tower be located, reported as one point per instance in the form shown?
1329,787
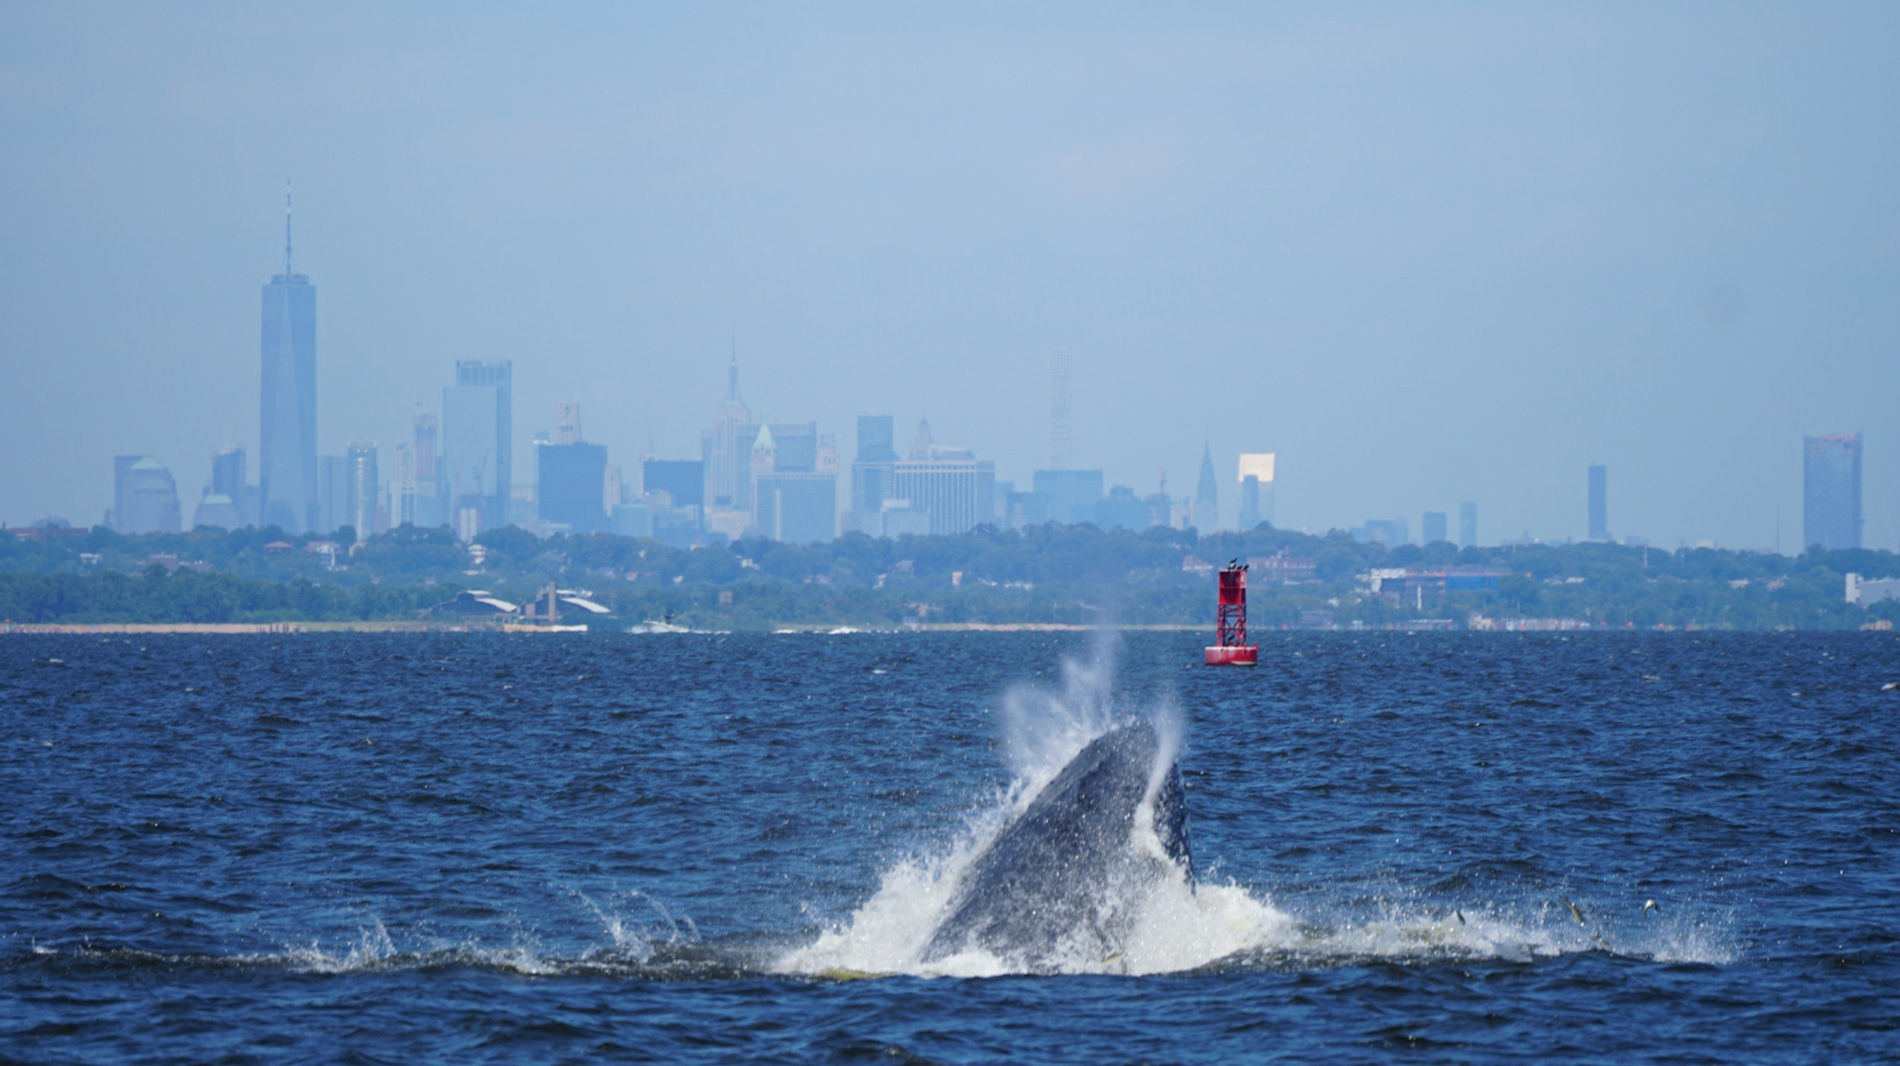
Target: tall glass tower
475,478
1830,511
287,474
1599,502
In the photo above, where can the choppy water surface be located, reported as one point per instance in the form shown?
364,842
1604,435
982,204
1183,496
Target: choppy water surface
464,848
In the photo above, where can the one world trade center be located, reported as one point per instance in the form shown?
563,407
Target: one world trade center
287,482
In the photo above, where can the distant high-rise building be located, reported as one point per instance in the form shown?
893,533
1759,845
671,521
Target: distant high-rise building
474,475
365,496
144,496
1256,489
613,492
877,439
1599,502
937,490
1067,496
683,481
872,469
796,506
1061,430
1121,509
1830,503
957,494
422,493
227,472
1160,507
287,474
794,451
567,422
216,511
1206,495
1467,525
1435,527
228,481
793,500
571,486
726,450
333,493
403,494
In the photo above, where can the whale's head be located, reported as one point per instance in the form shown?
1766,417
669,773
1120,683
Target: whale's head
1061,877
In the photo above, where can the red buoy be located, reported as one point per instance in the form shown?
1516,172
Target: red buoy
1230,646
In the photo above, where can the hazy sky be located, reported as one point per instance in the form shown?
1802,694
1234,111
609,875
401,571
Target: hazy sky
1426,253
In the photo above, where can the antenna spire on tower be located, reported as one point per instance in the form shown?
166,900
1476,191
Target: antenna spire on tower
287,270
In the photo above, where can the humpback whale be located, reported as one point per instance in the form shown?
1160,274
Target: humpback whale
1066,875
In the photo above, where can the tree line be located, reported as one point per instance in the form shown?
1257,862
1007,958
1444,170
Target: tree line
1050,573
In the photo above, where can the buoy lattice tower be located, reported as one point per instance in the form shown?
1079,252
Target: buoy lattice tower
1230,647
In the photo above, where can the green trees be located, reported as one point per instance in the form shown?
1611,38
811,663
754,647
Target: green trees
1049,573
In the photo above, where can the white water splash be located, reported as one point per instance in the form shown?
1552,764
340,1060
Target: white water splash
1173,925
1180,927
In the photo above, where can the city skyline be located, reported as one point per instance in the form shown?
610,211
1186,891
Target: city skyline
1415,283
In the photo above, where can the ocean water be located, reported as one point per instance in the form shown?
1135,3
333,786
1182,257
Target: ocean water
554,848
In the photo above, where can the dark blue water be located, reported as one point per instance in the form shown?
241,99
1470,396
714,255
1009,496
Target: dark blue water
468,848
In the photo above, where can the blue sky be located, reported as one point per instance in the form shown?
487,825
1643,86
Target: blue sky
1426,253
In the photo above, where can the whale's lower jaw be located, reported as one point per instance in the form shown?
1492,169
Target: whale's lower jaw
1061,882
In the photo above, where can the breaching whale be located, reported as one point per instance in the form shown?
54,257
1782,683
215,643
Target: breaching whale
1062,881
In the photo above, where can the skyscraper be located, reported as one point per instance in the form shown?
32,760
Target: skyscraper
572,477
936,490
683,481
474,475
871,471
287,474
728,457
364,496
424,506
333,494
228,480
1467,525
1830,499
227,472
144,496
1206,495
1067,496
567,422
1256,489
1599,503
1434,527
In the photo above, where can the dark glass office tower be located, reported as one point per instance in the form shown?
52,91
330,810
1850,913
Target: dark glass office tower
1599,502
1830,512
287,471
